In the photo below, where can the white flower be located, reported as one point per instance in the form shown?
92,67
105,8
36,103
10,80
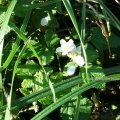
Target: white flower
66,47
44,21
71,70
73,52
79,60
78,50
76,56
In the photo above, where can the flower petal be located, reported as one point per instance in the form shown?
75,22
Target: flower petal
71,70
62,42
66,47
78,50
70,42
58,49
72,48
79,60
64,53
72,54
44,21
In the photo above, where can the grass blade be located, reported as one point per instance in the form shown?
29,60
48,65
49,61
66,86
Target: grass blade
69,96
61,86
17,42
73,19
110,14
2,34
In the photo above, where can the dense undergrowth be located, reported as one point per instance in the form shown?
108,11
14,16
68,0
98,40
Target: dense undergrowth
59,59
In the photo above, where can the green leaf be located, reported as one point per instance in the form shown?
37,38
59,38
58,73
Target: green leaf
95,73
59,7
27,83
53,24
59,87
34,79
51,38
27,70
114,40
67,110
70,95
24,91
85,109
99,41
46,56
91,54
19,11
56,77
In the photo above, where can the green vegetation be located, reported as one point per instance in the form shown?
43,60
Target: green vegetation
59,59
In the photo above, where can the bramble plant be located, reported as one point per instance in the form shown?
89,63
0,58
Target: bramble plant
73,52
58,56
